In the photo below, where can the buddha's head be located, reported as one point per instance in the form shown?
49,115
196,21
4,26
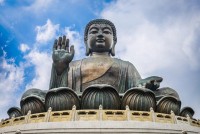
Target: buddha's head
100,36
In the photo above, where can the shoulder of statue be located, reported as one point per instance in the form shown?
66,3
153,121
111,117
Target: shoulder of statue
117,60
123,62
75,63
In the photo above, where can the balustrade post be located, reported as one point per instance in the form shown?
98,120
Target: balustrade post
189,119
48,114
73,113
100,113
152,114
12,120
27,117
173,117
128,113
2,120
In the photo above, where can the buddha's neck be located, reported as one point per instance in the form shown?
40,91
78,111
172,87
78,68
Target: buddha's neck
102,54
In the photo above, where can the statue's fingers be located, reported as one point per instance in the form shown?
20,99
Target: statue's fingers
152,81
67,45
55,44
59,43
63,42
144,85
72,51
71,54
156,83
160,79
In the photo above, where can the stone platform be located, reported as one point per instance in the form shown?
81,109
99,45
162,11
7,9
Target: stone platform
100,121
101,127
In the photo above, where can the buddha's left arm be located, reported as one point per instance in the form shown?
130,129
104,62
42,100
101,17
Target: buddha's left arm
134,79
133,76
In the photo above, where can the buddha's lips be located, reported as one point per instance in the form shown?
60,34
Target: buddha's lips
100,40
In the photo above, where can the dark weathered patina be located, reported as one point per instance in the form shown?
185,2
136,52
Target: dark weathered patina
99,68
99,79
14,112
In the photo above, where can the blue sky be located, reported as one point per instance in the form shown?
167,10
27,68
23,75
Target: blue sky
159,37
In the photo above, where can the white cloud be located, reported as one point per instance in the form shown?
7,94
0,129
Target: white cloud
160,38
191,46
39,6
41,61
1,2
76,40
164,43
46,32
11,77
24,47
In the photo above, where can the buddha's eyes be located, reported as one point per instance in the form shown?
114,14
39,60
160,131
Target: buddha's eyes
93,32
106,32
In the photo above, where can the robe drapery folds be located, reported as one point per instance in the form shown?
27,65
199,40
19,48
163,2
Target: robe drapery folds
122,75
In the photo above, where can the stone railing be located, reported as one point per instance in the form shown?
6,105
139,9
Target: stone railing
99,115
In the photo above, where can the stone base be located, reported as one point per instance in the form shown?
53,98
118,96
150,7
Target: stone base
100,127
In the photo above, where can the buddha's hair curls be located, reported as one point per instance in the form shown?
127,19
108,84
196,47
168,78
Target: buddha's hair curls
100,21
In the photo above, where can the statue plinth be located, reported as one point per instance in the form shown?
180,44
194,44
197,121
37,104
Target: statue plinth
104,121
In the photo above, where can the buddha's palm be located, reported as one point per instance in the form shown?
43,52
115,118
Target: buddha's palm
61,54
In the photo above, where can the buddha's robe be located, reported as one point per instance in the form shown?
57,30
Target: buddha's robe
122,75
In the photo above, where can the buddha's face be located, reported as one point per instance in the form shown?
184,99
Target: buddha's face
100,38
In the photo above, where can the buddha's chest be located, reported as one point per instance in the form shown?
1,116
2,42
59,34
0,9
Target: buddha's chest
100,70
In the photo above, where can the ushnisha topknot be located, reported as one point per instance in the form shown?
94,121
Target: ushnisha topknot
100,21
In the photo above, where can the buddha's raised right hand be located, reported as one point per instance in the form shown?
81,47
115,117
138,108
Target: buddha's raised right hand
61,55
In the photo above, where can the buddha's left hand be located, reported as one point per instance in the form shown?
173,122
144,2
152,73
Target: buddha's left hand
152,82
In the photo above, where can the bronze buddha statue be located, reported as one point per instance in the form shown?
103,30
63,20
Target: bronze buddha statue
101,79
99,68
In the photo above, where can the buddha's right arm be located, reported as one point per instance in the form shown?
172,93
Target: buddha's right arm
61,58
58,79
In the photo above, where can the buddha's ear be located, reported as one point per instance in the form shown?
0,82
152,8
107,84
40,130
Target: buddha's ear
112,52
87,50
